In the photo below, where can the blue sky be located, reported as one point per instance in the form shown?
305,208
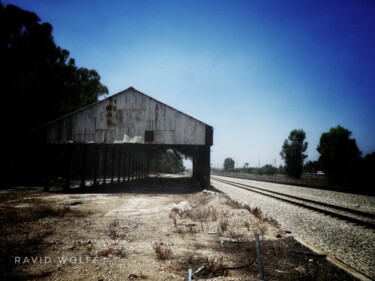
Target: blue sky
254,70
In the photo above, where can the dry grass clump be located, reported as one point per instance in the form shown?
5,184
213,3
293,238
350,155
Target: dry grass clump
205,267
199,199
115,231
262,228
163,251
223,224
190,257
113,251
187,228
215,267
106,252
256,211
202,214
233,203
235,234
112,229
174,212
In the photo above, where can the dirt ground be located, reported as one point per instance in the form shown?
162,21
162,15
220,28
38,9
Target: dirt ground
155,229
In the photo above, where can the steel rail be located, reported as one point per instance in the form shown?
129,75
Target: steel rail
276,195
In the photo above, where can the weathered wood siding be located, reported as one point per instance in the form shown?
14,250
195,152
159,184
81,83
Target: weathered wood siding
125,117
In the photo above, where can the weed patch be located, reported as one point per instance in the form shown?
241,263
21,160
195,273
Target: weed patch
163,251
223,224
256,212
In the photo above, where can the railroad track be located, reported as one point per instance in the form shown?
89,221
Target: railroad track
350,215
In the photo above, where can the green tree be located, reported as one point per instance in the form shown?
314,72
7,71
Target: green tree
312,167
228,164
367,171
293,153
339,156
39,81
167,162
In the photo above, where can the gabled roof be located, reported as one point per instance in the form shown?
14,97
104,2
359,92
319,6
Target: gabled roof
111,97
128,115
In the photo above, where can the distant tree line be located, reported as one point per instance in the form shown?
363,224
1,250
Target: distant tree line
340,159
267,169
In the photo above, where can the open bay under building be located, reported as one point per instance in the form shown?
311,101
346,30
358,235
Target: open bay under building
113,140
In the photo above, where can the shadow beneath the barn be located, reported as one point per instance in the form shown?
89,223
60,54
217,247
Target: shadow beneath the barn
152,185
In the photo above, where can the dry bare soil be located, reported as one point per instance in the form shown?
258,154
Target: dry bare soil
155,229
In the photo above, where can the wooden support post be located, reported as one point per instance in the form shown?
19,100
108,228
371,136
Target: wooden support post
68,167
143,167
95,164
129,165
119,165
83,151
195,165
134,158
206,165
148,166
45,151
113,163
138,167
125,165
202,166
142,170
105,164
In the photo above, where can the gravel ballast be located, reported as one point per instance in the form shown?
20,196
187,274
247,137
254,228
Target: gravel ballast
353,245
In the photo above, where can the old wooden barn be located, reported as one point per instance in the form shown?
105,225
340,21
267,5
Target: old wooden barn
114,139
